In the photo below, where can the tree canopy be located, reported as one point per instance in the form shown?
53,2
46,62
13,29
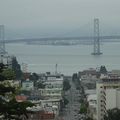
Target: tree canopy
8,74
83,108
10,109
103,70
112,114
66,85
16,68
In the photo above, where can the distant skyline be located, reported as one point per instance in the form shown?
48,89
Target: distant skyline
41,18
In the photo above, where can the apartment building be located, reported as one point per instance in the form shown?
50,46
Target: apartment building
52,96
27,85
108,95
53,86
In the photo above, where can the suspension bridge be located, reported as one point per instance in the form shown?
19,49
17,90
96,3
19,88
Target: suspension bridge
95,39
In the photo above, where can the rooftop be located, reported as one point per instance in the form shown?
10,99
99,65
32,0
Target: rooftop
21,98
109,80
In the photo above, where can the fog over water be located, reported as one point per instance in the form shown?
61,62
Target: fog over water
70,59
41,18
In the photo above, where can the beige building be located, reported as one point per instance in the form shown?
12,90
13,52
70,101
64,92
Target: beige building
92,108
108,95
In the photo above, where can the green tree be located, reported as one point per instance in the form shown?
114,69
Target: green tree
83,108
10,109
34,77
66,85
2,67
8,74
74,77
112,114
66,101
103,70
16,68
13,109
40,85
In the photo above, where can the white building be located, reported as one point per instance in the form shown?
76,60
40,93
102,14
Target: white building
53,86
92,109
27,85
49,105
51,94
55,77
108,95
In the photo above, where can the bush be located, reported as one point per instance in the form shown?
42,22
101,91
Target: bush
66,85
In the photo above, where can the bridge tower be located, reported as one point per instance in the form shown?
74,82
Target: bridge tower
96,50
2,42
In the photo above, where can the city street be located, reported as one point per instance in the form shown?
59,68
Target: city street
72,108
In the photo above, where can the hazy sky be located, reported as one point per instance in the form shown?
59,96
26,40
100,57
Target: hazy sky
36,18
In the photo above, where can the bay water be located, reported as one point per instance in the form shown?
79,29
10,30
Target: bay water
69,59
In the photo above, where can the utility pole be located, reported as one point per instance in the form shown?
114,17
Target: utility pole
96,50
56,68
